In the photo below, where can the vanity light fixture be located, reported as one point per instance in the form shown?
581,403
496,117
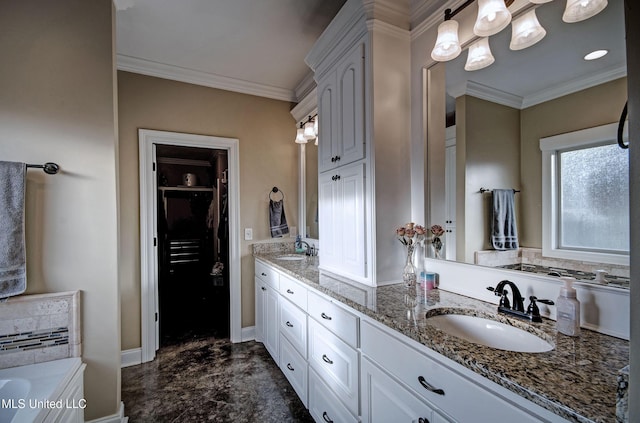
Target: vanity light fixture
493,17
579,10
479,55
447,45
309,131
526,31
596,54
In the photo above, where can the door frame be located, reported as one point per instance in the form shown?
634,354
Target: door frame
147,140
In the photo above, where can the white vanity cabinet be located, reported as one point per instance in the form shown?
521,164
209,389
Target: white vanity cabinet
341,202
267,307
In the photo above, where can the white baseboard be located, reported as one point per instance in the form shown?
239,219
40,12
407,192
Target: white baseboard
114,418
130,357
248,334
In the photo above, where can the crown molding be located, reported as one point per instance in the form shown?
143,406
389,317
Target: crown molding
306,107
305,86
574,85
176,73
393,12
487,93
382,27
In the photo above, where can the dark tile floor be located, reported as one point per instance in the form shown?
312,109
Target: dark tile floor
210,380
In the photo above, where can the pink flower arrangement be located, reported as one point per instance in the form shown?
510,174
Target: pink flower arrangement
411,234
437,230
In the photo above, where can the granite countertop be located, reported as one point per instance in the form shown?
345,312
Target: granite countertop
577,380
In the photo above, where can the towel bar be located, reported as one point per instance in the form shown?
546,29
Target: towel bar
49,167
483,190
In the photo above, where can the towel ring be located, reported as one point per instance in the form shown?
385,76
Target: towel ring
276,190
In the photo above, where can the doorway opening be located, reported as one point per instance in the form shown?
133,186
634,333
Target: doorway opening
193,243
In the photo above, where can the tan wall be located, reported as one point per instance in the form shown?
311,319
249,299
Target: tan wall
584,109
56,104
492,160
268,157
311,189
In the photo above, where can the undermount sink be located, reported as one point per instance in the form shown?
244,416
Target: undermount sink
290,257
489,333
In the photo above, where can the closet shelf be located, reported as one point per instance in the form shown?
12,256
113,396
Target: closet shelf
185,188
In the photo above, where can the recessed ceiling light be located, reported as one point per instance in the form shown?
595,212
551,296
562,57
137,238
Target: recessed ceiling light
595,54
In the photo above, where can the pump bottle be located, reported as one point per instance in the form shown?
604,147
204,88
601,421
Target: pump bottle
568,309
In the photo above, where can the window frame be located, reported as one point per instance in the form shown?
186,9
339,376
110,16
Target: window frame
551,147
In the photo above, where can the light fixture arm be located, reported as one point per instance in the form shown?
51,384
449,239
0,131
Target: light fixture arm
449,14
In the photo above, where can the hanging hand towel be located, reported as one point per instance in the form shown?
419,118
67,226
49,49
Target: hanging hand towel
13,260
277,219
504,232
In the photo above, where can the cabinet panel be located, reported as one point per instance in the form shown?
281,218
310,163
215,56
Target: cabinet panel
294,367
324,405
293,325
271,328
335,318
261,291
329,221
385,400
351,106
327,122
293,291
336,363
267,274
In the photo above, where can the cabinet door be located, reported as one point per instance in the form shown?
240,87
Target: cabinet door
352,217
450,201
328,220
351,102
261,291
385,400
327,123
271,324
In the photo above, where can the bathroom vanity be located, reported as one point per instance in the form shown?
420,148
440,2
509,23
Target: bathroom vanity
359,353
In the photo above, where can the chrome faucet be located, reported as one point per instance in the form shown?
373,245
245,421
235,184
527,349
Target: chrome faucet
532,313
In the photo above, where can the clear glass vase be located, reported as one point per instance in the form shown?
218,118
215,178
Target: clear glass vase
409,272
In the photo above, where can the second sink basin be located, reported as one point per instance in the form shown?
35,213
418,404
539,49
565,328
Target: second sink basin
290,257
489,333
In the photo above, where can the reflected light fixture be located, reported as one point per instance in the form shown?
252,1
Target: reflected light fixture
479,55
309,132
493,17
300,139
526,31
579,10
447,45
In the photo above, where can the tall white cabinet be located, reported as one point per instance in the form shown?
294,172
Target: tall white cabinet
450,193
361,65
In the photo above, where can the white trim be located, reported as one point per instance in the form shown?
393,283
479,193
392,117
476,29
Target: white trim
148,266
386,28
130,357
549,147
176,73
308,106
485,92
114,418
248,334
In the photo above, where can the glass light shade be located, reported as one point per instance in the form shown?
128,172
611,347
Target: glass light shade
526,31
493,17
479,55
316,143
579,10
539,1
300,139
315,126
308,133
447,44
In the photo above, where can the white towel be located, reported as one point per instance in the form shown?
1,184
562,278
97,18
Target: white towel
13,259
504,231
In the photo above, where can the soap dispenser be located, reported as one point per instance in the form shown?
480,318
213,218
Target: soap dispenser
568,309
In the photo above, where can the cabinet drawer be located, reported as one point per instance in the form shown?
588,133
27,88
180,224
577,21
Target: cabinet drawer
336,362
324,405
293,325
294,367
335,318
267,274
441,381
294,291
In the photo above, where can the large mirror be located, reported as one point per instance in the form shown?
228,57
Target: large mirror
310,152
495,118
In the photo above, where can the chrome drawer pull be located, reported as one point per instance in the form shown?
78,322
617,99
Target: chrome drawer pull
428,387
326,359
290,367
289,291
289,324
324,316
326,418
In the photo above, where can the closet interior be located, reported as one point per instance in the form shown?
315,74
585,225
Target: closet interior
193,243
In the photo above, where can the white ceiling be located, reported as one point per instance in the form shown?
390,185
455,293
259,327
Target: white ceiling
252,46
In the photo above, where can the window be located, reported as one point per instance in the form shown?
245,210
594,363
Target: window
585,196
